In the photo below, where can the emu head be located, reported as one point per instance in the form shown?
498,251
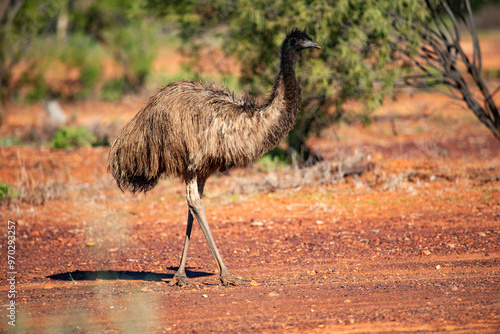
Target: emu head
298,40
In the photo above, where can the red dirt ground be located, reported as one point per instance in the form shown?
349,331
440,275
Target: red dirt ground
410,245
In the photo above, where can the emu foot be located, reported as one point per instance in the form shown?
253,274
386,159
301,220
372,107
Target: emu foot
182,280
228,279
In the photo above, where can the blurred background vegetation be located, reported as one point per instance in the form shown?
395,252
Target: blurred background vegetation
105,48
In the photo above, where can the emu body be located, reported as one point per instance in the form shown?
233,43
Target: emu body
191,130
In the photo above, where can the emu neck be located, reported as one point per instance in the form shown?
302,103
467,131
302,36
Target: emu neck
279,114
288,62
286,88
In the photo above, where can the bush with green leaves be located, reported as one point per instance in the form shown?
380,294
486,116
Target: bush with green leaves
356,62
112,90
134,48
20,23
125,32
82,52
30,34
271,163
72,137
7,191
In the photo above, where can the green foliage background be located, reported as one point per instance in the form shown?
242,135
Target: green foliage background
353,63
357,61
116,29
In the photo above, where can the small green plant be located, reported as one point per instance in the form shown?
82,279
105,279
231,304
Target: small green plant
10,141
271,163
492,73
7,191
71,137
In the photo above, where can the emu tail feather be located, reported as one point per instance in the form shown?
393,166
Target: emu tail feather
136,158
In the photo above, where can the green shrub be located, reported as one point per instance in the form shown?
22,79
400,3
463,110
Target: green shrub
11,141
79,50
272,162
7,191
135,48
71,137
89,75
45,55
32,83
38,89
112,90
83,52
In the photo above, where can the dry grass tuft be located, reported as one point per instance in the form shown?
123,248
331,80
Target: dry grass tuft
321,173
34,192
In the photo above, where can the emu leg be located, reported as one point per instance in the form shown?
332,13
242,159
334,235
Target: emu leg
197,208
180,278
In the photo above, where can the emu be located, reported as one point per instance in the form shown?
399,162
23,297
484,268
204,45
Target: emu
191,130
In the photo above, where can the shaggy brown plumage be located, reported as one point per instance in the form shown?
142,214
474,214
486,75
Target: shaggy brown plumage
190,130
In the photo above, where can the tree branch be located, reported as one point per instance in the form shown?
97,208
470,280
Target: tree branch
439,56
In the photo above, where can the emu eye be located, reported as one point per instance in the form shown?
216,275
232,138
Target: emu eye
302,41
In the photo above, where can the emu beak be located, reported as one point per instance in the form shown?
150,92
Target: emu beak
311,44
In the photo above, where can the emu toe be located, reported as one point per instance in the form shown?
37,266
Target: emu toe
182,280
229,279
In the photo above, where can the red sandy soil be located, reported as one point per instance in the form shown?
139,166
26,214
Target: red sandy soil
408,245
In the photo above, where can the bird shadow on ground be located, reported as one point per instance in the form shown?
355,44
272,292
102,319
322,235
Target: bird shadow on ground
88,275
